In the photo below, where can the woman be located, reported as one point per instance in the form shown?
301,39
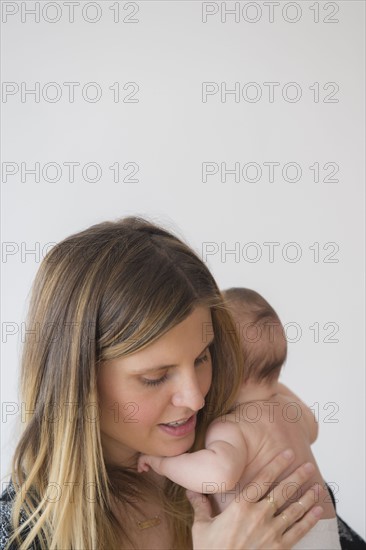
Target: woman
122,362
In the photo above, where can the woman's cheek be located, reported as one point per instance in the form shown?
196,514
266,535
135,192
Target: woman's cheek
207,380
148,410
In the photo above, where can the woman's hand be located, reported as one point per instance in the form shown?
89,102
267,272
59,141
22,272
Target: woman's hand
253,525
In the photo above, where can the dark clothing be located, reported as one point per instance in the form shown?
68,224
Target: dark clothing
5,517
348,538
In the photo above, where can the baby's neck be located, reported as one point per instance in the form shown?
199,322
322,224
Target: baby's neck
254,391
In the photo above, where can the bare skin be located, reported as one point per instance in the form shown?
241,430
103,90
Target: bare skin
243,524
267,419
261,530
154,538
167,382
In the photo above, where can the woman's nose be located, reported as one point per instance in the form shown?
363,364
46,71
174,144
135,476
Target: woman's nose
188,393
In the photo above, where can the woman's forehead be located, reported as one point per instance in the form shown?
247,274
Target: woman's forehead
190,337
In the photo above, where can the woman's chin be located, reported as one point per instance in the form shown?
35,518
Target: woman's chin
177,447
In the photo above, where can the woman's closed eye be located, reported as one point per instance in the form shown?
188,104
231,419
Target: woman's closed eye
154,381
202,359
157,381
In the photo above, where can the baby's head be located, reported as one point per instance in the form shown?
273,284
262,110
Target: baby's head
261,334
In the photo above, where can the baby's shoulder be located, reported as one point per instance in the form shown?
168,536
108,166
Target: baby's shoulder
224,427
224,420
226,436
295,411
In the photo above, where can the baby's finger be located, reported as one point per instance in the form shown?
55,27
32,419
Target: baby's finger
141,464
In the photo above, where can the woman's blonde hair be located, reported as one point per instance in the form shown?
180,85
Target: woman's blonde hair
104,293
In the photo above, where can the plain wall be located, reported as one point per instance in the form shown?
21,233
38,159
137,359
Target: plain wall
299,243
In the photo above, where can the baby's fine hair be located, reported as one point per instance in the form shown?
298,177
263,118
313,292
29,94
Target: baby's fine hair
262,337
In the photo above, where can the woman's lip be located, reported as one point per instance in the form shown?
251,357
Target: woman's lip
181,430
185,418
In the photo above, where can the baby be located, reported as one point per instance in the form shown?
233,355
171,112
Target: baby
266,419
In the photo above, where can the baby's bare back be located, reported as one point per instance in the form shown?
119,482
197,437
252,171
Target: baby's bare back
270,427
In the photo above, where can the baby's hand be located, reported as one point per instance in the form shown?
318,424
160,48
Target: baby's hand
143,463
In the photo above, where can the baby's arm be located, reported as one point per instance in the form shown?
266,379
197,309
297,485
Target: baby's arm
220,463
307,413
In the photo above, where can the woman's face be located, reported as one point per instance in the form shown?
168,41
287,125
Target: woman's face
144,397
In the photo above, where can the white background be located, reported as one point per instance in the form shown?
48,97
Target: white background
169,132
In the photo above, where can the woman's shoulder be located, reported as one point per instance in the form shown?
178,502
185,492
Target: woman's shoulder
349,539
6,504
6,508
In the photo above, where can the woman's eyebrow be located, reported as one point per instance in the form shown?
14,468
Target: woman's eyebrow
162,367
207,345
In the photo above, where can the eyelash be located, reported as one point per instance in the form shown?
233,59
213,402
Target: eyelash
159,381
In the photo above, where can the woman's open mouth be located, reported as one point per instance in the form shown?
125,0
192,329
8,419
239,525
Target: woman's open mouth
180,427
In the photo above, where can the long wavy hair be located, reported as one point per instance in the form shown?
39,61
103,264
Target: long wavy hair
104,293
